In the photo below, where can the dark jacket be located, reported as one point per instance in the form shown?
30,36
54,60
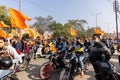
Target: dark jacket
99,52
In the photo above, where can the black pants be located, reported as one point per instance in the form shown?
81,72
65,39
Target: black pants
98,76
96,67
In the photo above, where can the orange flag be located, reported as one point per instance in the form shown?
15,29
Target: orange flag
31,33
97,31
28,31
18,19
102,33
2,24
52,48
3,34
73,32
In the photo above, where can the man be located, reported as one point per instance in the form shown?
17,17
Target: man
16,44
61,50
99,52
8,51
13,51
60,45
79,50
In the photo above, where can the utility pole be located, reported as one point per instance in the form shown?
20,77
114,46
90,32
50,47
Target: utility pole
96,17
108,28
20,5
19,30
116,9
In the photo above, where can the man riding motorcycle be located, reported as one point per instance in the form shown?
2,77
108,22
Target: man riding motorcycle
61,49
99,52
7,54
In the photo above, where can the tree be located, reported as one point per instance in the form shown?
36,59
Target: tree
82,34
78,24
57,28
4,15
60,30
90,32
42,24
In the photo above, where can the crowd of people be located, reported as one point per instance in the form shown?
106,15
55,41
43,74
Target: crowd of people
96,47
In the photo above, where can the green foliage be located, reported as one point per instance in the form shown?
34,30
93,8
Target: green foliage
90,32
82,34
4,15
59,29
48,24
78,24
42,23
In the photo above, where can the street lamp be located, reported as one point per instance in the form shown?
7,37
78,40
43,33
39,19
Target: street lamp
96,17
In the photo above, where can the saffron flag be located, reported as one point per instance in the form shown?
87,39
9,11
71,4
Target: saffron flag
102,33
2,24
31,33
28,31
52,48
18,19
3,34
73,32
97,31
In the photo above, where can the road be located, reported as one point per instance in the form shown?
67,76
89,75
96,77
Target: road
33,72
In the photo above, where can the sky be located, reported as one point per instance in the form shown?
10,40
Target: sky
64,10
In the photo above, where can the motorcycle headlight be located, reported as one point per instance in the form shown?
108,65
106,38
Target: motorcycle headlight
67,65
48,56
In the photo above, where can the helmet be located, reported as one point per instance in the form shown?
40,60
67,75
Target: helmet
59,38
6,63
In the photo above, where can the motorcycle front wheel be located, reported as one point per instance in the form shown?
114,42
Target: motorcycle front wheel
45,71
66,74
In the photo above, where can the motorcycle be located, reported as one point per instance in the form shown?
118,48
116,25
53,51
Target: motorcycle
9,73
71,67
107,71
6,72
40,51
47,68
26,61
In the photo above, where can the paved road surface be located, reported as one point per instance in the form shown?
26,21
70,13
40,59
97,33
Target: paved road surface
33,72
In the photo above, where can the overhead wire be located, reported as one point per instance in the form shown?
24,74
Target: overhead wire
38,5
104,4
49,12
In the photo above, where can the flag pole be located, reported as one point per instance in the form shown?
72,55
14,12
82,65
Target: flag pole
20,9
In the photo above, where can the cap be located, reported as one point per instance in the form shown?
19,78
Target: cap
97,35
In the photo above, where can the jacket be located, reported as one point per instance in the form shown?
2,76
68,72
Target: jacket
99,52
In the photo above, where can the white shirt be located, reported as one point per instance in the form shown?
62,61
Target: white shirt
14,53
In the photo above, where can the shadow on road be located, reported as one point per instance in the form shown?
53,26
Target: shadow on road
33,73
114,60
